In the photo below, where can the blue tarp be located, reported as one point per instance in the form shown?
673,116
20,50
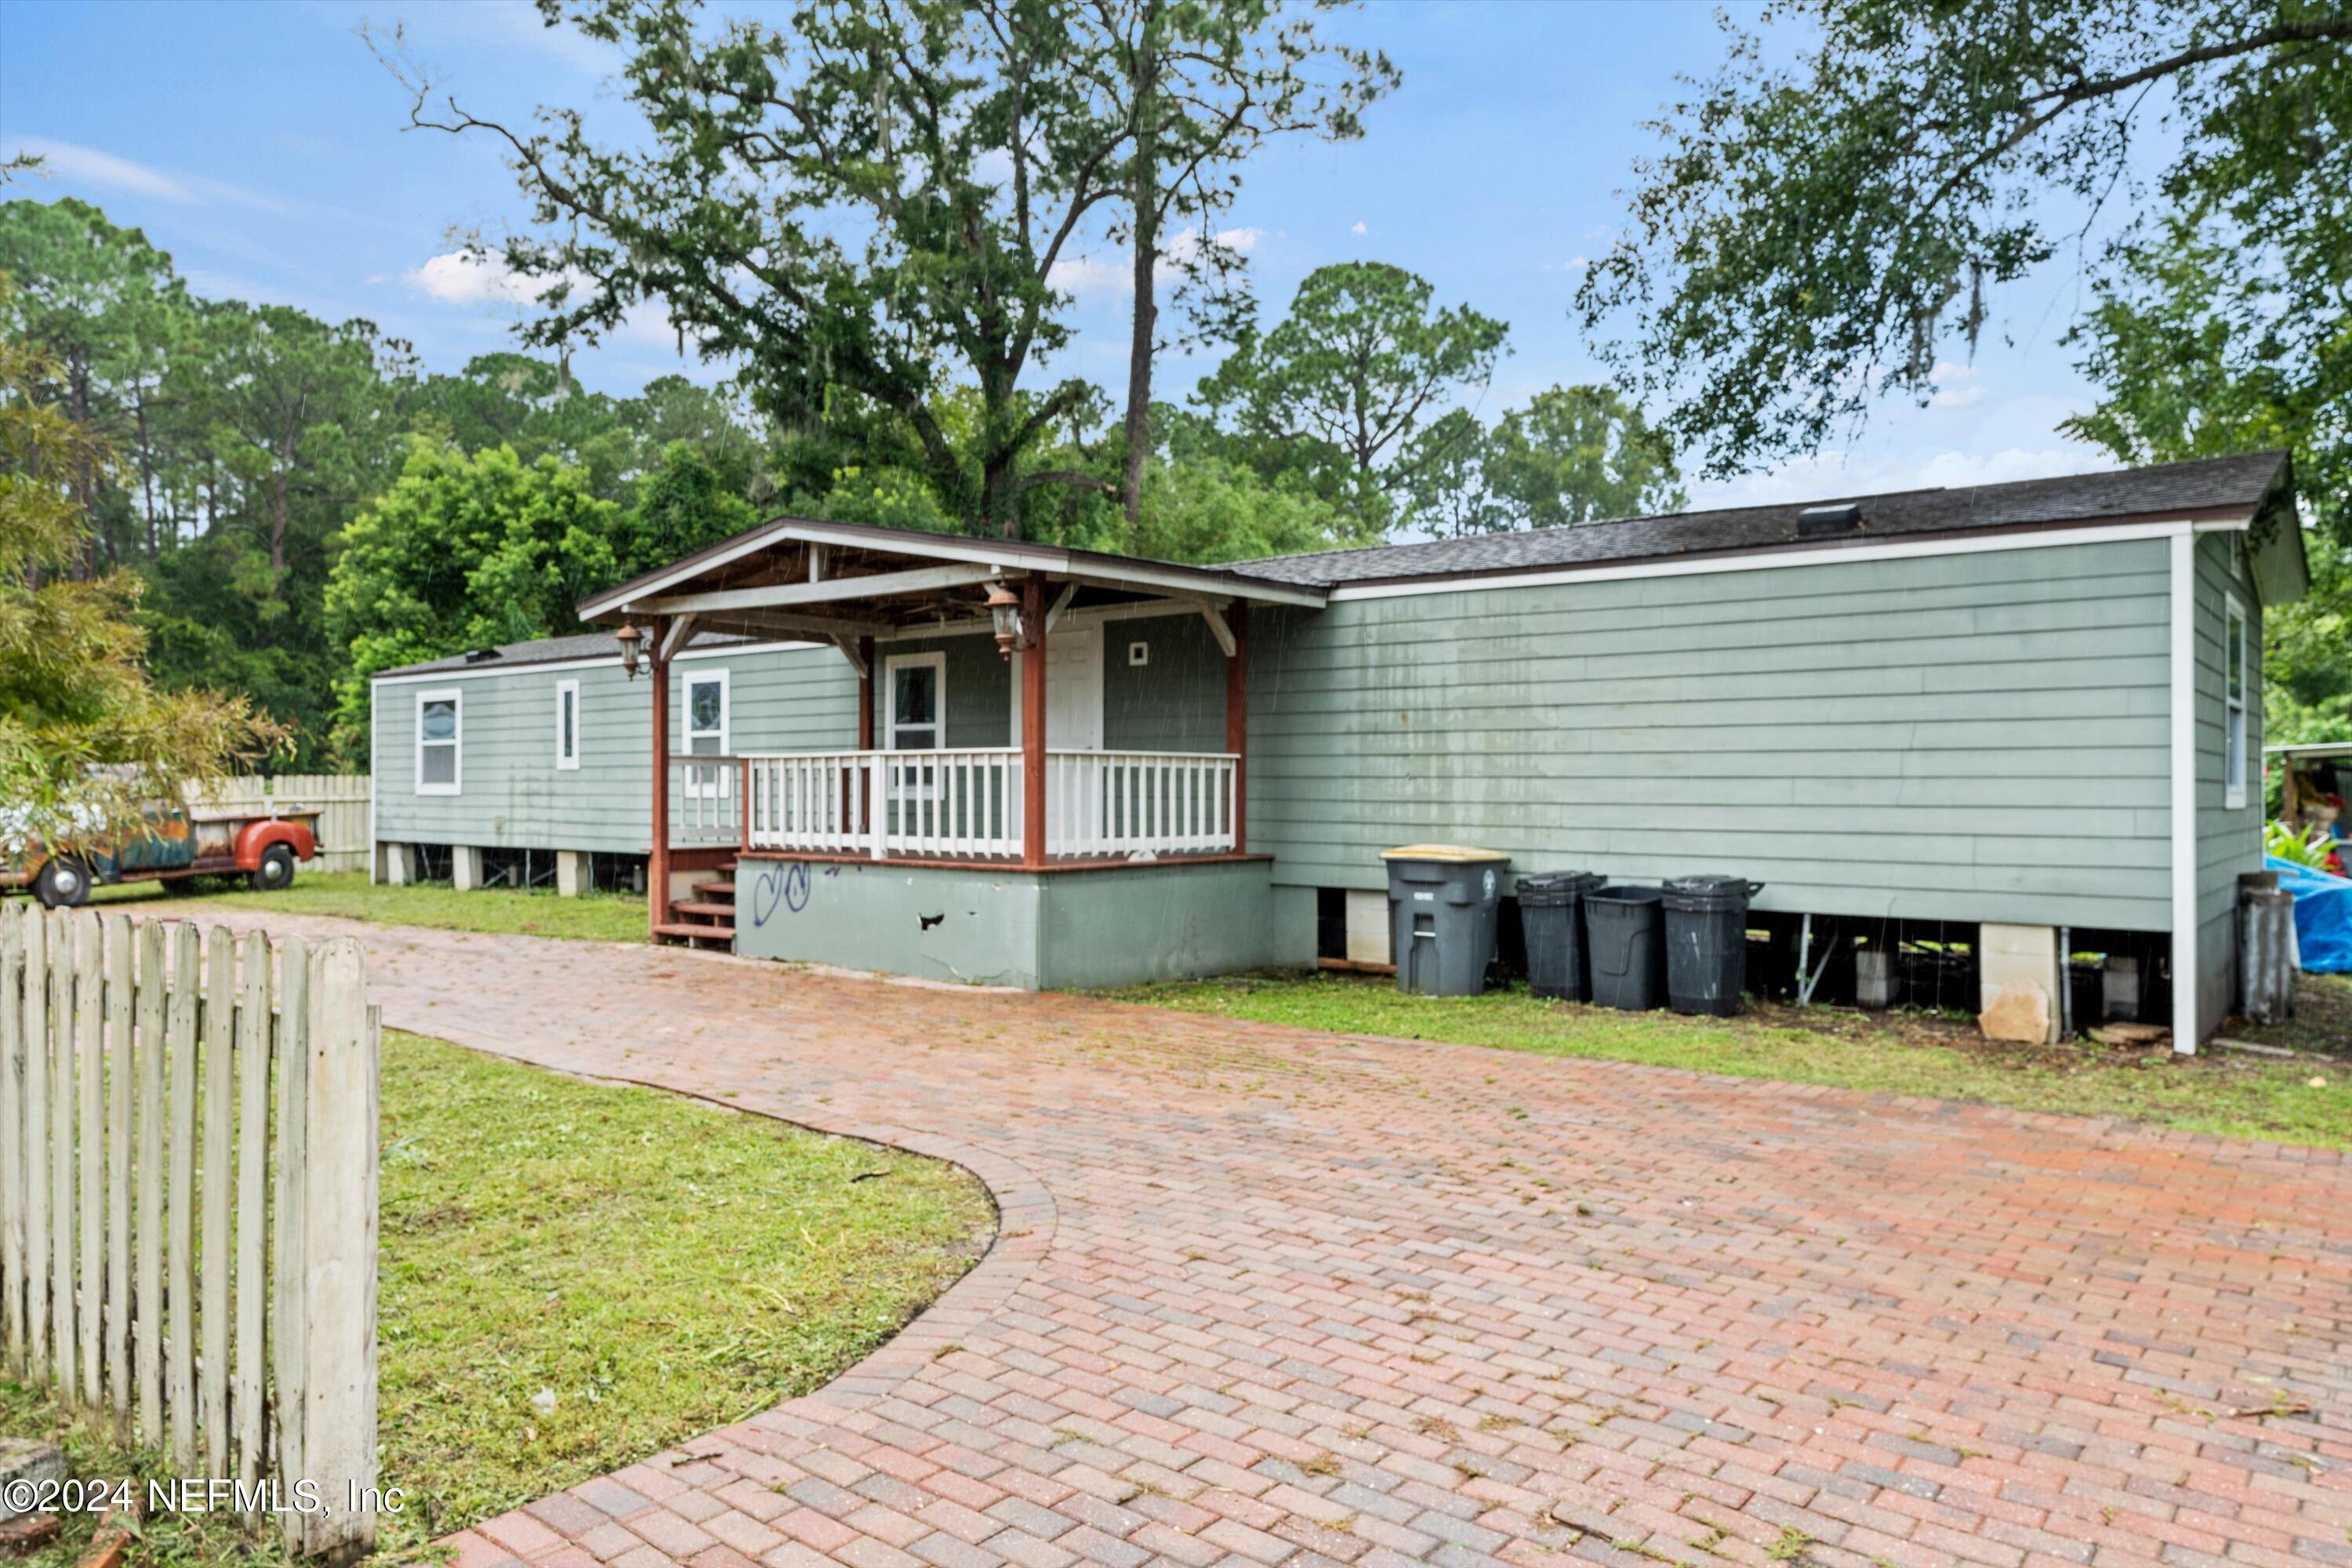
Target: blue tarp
2323,916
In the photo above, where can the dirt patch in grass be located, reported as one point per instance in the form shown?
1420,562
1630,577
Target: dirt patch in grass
2299,1100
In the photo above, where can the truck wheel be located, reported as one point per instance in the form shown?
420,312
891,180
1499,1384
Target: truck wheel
62,883
276,871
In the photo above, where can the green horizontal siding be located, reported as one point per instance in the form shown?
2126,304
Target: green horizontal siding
513,794
1969,738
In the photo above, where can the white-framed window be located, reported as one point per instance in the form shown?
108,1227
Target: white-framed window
703,715
567,724
440,739
915,714
2234,681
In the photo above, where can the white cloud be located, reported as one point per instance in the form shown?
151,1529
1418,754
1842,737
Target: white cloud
1359,227
1955,386
460,277
1832,474
88,166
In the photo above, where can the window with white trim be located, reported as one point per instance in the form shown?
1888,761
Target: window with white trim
706,722
439,738
567,724
2233,703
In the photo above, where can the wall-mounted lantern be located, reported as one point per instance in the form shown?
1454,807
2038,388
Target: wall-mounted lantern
632,643
1004,609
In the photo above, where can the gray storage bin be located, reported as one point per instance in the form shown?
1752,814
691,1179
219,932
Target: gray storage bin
1444,903
1629,959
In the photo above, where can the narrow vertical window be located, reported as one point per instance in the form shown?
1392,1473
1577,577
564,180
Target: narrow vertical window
2234,701
567,724
706,730
439,733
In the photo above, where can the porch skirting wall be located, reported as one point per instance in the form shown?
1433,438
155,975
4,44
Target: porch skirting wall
1062,929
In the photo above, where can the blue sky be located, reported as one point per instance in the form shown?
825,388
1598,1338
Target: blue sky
261,145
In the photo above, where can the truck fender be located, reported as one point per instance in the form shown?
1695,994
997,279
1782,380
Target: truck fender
255,837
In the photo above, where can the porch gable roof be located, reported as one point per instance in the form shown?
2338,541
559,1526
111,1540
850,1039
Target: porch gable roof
805,575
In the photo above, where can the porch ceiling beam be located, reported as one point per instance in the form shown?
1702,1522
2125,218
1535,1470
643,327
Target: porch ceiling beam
783,595
675,636
848,647
821,628
1183,583
1060,605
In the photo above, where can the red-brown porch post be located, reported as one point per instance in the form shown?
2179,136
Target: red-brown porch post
1237,720
1032,724
657,862
854,791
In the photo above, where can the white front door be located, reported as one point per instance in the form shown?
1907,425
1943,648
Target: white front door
1073,690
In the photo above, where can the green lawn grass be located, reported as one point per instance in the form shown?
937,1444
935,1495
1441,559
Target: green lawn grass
2303,1100
576,1275
594,917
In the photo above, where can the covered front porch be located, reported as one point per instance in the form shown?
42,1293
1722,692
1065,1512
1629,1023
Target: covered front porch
1022,714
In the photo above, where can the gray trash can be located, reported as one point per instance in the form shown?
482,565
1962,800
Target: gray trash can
1551,914
1628,949
1444,903
1706,942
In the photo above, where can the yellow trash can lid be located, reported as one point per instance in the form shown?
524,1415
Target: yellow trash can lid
1452,852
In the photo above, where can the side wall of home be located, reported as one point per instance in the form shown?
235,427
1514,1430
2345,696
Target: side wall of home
2229,837
1967,737
511,793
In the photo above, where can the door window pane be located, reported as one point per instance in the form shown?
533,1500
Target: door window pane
914,708
440,720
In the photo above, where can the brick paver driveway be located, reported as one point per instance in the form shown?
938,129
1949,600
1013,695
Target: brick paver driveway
1264,1296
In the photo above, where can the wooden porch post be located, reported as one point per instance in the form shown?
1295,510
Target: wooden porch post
866,694
856,792
1033,725
1237,720
657,863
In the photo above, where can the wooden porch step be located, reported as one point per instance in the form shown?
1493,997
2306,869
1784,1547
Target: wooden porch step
710,907
726,887
695,931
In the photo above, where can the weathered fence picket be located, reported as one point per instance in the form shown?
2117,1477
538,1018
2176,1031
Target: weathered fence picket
188,1199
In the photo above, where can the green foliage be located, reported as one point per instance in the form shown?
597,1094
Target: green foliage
1347,392
1212,508
1813,235
85,737
2283,843
463,553
868,202
1579,454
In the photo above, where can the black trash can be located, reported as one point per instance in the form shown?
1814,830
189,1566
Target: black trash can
1627,949
1444,903
1706,942
1551,914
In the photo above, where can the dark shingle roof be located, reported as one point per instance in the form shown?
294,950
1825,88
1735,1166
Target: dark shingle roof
546,650
2173,489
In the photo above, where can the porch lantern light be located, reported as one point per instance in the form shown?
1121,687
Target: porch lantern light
631,640
1004,609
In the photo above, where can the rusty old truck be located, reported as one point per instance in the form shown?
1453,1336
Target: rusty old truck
262,844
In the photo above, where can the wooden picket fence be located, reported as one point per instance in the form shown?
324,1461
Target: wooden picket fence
340,800
188,1199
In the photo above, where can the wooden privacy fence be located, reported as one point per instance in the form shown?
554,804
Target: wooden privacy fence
341,800
188,1199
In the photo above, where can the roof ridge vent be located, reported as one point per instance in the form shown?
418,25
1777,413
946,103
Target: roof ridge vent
481,654
1820,522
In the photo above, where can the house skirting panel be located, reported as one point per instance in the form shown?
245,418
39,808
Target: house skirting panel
1057,929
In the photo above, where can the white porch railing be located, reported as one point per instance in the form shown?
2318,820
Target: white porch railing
968,804
706,800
